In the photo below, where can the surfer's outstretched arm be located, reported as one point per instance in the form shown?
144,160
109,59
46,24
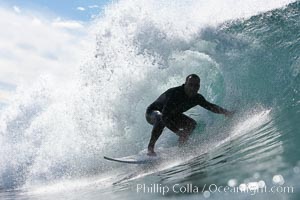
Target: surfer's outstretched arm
214,108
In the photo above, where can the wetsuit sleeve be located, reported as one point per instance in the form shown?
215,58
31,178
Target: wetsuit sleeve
210,106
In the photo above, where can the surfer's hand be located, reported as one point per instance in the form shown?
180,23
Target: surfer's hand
151,152
229,113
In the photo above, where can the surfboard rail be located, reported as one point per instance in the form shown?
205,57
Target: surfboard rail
130,161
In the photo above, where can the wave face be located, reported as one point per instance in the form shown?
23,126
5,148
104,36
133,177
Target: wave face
247,55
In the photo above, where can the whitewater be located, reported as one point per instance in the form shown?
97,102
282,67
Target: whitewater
53,136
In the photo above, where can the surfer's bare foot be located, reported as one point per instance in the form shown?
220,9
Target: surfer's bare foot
181,143
151,152
183,137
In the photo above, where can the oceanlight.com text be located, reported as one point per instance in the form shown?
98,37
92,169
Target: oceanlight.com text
250,188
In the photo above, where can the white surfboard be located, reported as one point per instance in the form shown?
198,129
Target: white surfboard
135,159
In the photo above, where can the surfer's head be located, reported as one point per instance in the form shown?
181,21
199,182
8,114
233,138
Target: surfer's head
192,85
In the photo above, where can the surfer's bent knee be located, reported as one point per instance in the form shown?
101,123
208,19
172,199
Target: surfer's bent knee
153,116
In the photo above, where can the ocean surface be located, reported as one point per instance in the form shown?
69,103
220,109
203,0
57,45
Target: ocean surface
247,53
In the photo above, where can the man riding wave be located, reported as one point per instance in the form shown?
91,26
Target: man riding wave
167,111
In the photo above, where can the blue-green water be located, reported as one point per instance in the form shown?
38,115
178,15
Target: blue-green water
53,139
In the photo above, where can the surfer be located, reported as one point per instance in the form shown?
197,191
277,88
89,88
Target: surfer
167,111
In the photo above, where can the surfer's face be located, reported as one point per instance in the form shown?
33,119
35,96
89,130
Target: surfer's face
192,86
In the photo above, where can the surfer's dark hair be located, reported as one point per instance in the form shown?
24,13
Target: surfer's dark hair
192,76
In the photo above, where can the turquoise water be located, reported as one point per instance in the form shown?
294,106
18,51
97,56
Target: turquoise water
53,139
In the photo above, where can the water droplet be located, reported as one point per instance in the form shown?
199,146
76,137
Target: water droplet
206,194
243,187
278,179
256,175
232,182
253,186
261,184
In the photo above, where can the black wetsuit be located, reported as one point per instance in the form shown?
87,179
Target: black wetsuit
174,102
167,111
